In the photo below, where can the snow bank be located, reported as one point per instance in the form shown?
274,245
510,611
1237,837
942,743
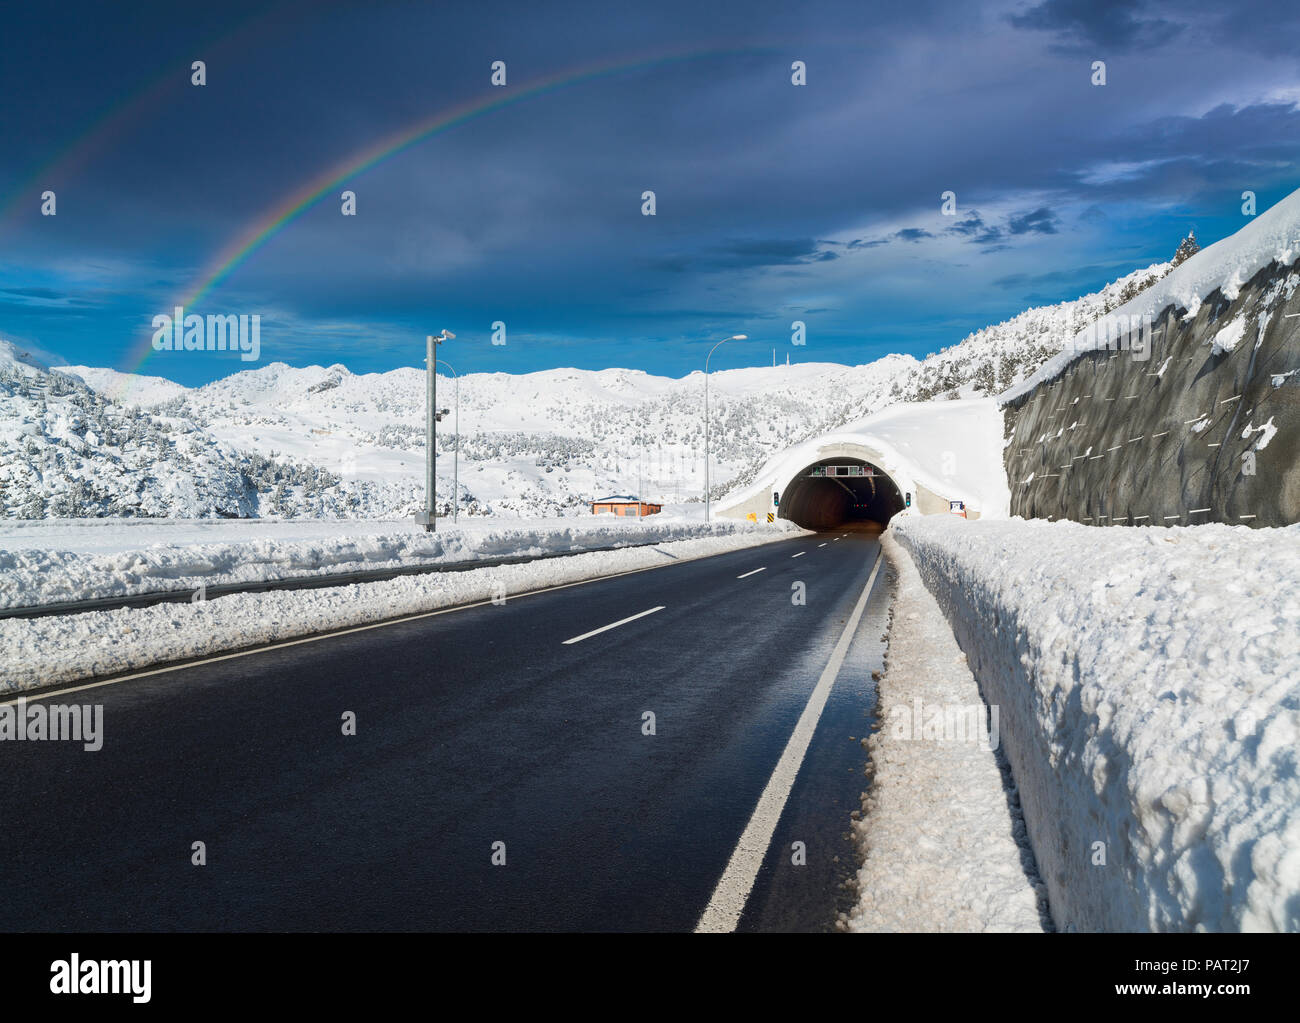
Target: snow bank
51,561
65,648
1229,263
1148,682
942,850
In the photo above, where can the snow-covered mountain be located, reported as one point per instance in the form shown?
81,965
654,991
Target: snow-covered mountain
279,440
69,451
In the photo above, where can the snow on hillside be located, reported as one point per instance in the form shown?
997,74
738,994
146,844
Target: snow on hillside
1148,683
322,441
541,443
997,357
1272,236
66,451
113,384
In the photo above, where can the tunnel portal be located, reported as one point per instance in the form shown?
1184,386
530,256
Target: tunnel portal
839,492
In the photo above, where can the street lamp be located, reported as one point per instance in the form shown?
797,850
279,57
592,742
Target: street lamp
455,513
707,497
429,517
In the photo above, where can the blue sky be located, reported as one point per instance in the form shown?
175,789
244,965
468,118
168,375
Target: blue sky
775,203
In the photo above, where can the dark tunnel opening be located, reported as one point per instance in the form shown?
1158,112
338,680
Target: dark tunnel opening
840,492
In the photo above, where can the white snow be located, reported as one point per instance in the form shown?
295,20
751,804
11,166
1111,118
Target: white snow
59,649
941,850
1268,430
51,561
1226,339
1148,682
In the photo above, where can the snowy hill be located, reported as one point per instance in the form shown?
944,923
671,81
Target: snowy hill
533,444
67,451
280,440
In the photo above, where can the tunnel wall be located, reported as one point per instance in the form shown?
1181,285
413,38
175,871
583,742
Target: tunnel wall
1185,433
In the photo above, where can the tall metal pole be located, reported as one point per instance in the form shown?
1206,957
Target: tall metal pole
706,437
455,477
455,470
429,517
430,439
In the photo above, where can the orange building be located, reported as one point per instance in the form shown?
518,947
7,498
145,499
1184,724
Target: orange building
624,504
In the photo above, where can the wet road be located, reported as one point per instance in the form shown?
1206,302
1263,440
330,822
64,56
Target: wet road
497,732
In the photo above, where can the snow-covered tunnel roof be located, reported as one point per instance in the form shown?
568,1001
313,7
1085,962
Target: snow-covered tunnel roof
953,448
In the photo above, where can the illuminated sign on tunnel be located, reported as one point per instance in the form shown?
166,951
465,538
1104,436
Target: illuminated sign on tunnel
835,491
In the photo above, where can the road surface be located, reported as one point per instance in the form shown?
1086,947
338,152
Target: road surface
522,723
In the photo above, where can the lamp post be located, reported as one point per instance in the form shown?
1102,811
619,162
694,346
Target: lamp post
707,497
455,472
429,517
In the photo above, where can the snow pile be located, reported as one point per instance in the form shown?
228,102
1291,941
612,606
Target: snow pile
942,851
42,652
37,567
1148,682
1273,236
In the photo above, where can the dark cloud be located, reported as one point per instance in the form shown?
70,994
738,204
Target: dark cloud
747,254
530,211
1115,26
1039,221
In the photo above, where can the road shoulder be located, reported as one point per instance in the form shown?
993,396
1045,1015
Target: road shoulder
937,835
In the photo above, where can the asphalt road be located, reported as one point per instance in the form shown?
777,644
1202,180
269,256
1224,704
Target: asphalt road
473,727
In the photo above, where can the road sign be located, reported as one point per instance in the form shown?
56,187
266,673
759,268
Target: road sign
771,517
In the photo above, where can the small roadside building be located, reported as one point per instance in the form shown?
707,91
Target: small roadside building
624,504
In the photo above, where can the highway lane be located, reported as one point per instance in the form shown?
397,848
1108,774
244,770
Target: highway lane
476,727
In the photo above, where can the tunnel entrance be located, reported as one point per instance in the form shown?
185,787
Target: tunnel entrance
839,493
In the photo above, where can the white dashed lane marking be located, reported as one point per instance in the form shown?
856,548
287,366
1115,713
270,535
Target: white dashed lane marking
612,625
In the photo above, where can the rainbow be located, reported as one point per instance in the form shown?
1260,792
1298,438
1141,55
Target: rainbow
243,246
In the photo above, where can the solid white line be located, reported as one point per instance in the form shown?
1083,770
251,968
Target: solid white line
799,555
729,897
755,572
612,625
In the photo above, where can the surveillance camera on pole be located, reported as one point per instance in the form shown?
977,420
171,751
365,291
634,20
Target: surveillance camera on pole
428,518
